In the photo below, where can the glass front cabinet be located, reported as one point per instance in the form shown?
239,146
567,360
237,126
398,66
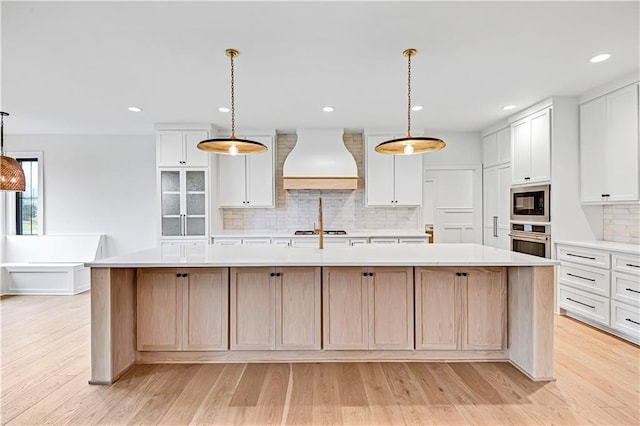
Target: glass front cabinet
184,205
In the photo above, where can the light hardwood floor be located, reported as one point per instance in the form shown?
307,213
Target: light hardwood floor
46,357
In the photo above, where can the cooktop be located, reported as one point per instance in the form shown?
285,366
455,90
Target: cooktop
327,232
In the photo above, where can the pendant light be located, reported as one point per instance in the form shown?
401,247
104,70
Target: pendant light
11,174
232,145
410,144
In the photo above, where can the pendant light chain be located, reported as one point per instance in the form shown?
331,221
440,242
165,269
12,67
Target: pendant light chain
233,100
409,95
232,145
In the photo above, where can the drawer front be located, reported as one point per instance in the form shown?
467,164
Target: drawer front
584,256
586,304
625,288
626,319
626,263
586,278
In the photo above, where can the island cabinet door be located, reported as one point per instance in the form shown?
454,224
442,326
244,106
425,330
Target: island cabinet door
159,309
390,308
438,309
298,308
252,308
205,309
345,308
484,309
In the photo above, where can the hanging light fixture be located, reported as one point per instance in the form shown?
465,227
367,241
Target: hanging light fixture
410,144
11,174
232,145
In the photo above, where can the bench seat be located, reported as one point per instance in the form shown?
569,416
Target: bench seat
49,265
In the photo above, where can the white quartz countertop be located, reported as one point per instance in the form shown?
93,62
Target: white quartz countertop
605,245
360,255
390,233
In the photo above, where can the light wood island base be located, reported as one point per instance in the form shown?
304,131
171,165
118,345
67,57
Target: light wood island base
528,342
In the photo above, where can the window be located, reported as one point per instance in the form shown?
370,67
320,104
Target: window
28,216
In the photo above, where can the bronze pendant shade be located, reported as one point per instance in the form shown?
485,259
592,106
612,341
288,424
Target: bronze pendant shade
232,145
11,174
410,144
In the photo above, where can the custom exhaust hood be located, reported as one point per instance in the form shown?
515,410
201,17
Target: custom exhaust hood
320,160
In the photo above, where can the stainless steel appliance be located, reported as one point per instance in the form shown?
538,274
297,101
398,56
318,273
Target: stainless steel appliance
530,203
531,239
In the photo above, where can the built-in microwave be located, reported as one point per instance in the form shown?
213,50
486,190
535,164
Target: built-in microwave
530,203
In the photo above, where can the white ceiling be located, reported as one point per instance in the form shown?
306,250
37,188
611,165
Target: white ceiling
75,67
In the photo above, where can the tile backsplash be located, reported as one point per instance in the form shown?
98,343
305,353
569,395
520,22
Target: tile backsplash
622,223
298,209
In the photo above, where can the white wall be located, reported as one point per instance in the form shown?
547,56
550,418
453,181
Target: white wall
571,220
463,148
98,184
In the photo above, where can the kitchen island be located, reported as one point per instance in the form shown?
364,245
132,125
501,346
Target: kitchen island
428,302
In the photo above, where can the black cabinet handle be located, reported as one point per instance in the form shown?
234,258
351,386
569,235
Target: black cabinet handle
630,320
582,257
589,306
364,274
633,266
370,274
458,274
273,274
464,274
630,289
582,278
177,275
527,178
278,274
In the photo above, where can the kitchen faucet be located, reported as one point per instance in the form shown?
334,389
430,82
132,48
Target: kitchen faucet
320,230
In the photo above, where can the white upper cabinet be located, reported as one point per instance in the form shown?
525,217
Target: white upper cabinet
184,203
177,148
496,148
531,148
247,180
609,147
392,180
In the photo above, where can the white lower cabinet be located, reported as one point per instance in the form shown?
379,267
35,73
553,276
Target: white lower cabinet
602,288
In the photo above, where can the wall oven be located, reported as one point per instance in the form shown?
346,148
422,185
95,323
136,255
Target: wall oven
531,239
530,203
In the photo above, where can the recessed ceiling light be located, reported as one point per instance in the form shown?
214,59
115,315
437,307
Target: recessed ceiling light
223,109
134,109
327,109
600,58
416,108
508,107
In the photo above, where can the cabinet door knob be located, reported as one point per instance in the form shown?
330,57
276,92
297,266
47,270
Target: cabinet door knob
370,274
278,274
273,274
364,274
178,275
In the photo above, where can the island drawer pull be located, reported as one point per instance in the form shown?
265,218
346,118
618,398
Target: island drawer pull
583,257
633,266
630,320
578,276
589,306
630,289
